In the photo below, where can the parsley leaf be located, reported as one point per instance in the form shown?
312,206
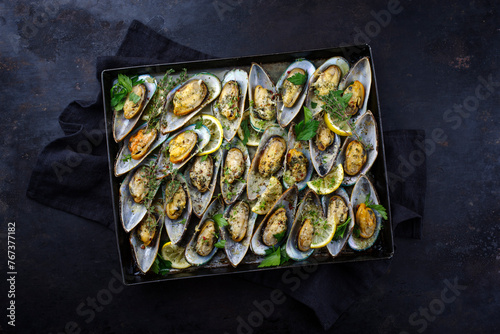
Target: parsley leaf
275,257
221,244
125,81
339,234
356,231
307,128
220,220
161,266
134,97
272,258
298,79
377,207
380,209
280,235
246,131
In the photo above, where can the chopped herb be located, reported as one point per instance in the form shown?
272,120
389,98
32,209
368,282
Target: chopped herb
221,244
198,124
183,221
127,157
314,105
356,231
203,158
298,79
280,235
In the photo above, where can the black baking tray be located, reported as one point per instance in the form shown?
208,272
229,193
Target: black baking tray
383,247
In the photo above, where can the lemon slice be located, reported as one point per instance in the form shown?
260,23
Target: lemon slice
329,183
253,138
174,254
324,230
340,127
216,133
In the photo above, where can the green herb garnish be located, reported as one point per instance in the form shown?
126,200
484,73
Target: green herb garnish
127,157
122,89
275,257
298,79
198,124
220,244
339,233
377,207
246,131
161,266
220,220
307,128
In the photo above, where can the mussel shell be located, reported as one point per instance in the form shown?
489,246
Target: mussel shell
256,183
191,255
335,246
177,228
288,201
123,165
231,126
258,76
366,129
302,147
131,213
121,125
165,167
174,122
236,251
362,72
201,200
311,98
361,189
146,255
231,192
287,114
292,249
323,161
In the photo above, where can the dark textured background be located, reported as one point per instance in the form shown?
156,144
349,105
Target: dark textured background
428,59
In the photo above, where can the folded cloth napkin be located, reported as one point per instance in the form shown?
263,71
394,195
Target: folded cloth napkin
72,175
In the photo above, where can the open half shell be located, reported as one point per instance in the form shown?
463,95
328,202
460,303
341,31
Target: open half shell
176,228
313,102
287,114
145,255
259,77
124,162
201,200
171,122
131,212
165,166
296,146
287,201
362,72
236,251
309,208
361,190
366,132
191,255
256,182
123,126
231,126
232,191
336,245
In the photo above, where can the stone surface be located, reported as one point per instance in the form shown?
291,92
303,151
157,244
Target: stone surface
430,58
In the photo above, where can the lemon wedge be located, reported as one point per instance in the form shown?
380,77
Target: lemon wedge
174,254
324,230
329,183
340,127
216,133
